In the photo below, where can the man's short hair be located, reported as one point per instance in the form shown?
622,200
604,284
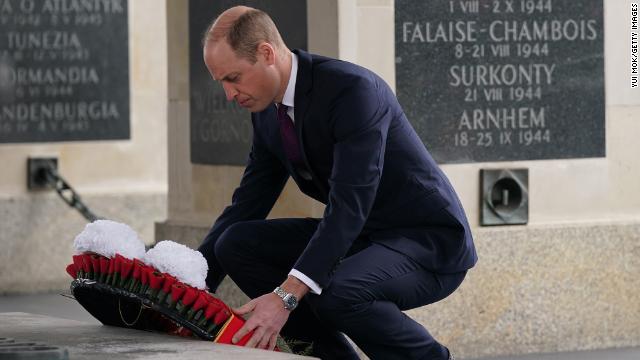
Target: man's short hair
245,33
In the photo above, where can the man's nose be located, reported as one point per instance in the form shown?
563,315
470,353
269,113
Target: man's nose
230,91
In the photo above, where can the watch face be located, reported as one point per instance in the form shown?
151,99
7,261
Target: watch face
290,302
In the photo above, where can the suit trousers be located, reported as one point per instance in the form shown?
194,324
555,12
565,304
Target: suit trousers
364,300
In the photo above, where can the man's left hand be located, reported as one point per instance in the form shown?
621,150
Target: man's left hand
268,316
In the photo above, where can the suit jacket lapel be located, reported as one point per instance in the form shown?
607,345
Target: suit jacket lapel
303,87
302,99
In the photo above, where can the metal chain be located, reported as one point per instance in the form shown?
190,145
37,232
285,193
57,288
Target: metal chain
69,195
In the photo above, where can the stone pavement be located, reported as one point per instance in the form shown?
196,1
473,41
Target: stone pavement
96,342
66,324
169,346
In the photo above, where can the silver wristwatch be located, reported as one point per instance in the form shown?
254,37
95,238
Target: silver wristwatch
290,300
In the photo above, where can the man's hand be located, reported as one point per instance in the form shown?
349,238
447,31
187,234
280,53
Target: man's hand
268,315
267,319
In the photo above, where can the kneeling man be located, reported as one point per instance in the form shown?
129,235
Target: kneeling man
393,235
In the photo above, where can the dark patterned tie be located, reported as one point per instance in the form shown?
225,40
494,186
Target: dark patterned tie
290,142
289,138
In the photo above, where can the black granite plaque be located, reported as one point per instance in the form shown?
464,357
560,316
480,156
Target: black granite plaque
502,80
64,70
221,131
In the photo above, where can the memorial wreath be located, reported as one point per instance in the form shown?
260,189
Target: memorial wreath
162,289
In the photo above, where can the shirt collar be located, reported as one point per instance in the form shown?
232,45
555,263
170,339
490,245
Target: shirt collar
290,92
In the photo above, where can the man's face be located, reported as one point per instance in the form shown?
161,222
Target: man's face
252,86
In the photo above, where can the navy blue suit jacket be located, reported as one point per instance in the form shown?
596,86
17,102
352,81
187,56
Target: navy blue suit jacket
368,166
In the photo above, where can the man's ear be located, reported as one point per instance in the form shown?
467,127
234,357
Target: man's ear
267,53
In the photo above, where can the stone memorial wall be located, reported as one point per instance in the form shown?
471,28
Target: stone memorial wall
64,70
503,80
